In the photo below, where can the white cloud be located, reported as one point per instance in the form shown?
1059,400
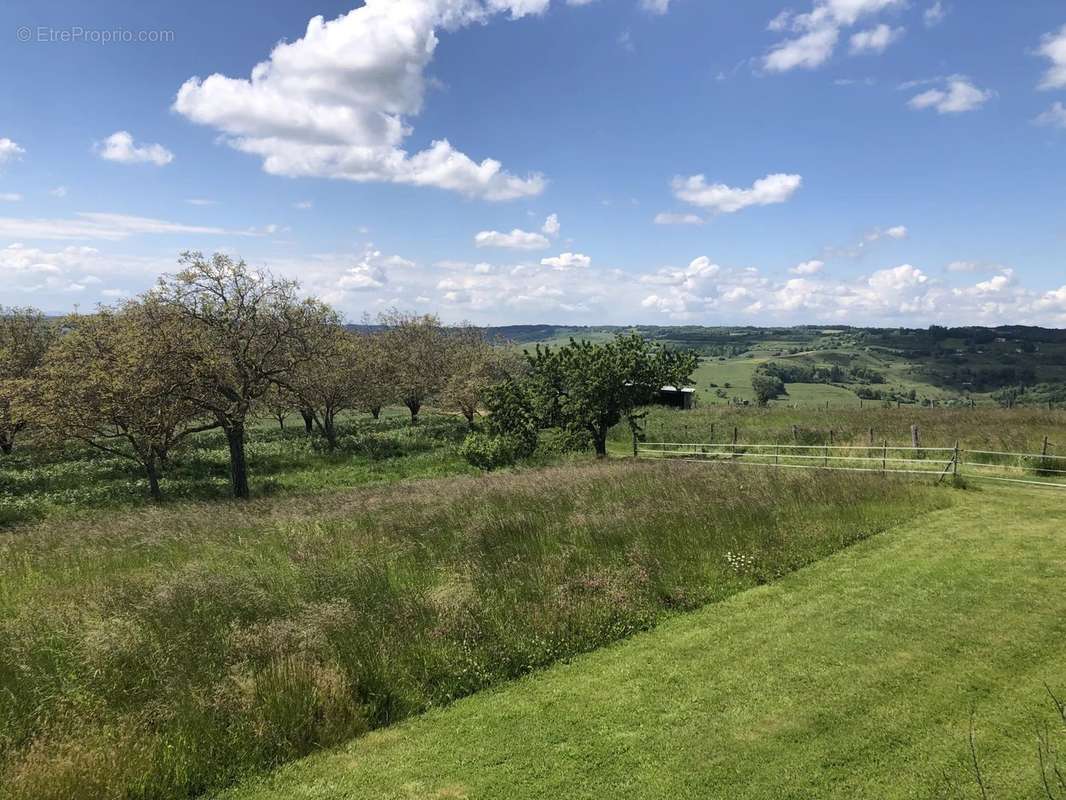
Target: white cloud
810,50
959,95
895,232
1054,117
875,40
668,218
201,201
515,240
817,32
551,226
120,147
808,268
59,191
109,227
9,151
336,102
567,261
935,14
1053,47
10,197
303,205
723,199
655,6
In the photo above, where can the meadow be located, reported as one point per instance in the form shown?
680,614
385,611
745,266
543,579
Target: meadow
45,480
170,650
864,675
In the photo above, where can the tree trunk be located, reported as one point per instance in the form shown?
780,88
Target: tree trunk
281,421
414,406
153,479
7,446
375,412
469,414
309,421
238,465
599,441
329,430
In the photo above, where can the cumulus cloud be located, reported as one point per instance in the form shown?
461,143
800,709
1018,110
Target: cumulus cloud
567,261
9,151
1053,47
515,240
669,218
120,147
817,32
722,199
1054,117
957,96
808,268
551,226
59,191
336,103
875,40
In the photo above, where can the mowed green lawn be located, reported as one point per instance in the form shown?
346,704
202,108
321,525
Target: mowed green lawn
853,678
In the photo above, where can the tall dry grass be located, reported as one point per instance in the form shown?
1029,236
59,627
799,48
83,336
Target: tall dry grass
168,651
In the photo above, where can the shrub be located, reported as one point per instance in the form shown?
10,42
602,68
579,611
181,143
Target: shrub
489,452
555,442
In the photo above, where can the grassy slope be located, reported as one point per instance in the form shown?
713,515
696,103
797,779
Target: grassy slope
853,678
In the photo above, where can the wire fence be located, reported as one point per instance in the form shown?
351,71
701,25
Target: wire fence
1042,469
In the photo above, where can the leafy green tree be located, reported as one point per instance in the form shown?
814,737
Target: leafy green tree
25,336
767,388
418,348
107,382
585,387
331,378
475,365
236,334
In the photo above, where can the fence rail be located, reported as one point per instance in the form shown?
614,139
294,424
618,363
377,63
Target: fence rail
1018,468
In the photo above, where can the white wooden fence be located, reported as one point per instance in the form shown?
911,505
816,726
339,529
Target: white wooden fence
940,462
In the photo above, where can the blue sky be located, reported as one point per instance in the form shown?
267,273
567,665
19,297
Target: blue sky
894,162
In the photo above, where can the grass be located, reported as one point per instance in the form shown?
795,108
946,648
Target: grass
169,651
41,481
853,678
1017,430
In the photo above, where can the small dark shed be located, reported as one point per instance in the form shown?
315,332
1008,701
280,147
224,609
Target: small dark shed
674,397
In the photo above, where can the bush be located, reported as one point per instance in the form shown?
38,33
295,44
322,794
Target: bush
489,452
555,442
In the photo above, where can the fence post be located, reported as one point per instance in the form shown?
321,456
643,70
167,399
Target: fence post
916,437
871,437
736,435
795,433
955,459
635,453
884,458
825,462
777,454
1043,452
712,432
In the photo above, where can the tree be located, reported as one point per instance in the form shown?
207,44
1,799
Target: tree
475,365
107,382
585,387
330,377
25,336
767,387
241,332
418,349
377,374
